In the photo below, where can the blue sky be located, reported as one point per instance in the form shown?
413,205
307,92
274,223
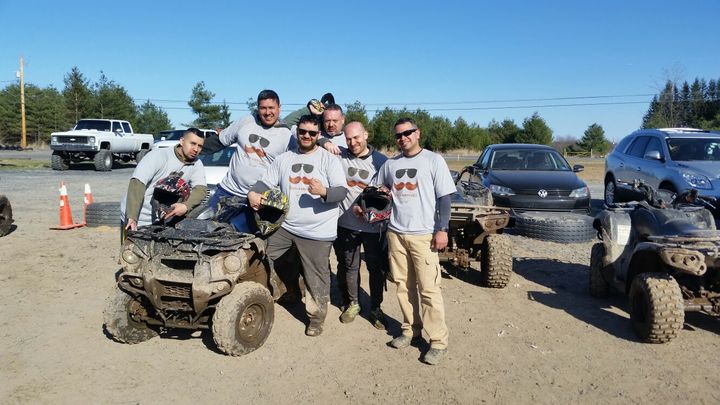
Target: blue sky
452,58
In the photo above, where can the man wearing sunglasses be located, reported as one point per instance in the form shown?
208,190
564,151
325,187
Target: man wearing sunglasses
313,180
261,137
360,163
332,118
421,187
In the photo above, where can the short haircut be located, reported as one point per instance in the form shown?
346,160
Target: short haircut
309,118
268,95
334,107
194,131
405,120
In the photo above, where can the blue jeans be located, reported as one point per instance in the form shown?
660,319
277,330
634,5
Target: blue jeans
244,220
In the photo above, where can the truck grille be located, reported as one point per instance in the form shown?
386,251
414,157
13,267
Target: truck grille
73,139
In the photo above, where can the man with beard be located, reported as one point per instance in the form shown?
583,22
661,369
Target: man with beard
160,163
360,164
312,180
261,137
421,187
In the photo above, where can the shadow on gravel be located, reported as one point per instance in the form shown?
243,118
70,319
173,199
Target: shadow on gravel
696,320
470,275
568,282
89,167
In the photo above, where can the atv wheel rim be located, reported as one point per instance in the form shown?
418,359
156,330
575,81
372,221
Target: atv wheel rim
250,323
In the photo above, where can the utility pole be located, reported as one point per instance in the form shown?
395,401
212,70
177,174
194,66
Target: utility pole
23,141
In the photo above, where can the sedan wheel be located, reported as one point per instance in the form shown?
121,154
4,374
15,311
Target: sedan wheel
610,192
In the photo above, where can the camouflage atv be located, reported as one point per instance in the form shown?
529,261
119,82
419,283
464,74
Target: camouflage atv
199,274
475,233
664,254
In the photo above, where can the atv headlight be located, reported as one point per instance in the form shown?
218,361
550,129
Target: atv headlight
234,263
581,192
130,258
697,180
500,190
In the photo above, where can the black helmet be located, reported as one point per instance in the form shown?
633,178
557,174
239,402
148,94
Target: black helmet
376,203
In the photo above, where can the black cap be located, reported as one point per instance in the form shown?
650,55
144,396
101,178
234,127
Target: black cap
327,99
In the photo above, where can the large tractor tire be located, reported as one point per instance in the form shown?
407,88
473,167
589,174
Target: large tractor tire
103,160
656,307
243,319
59,162
102,214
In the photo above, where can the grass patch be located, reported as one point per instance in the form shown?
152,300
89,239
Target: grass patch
14,164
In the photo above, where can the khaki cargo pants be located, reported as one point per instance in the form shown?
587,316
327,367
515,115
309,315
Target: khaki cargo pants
416,271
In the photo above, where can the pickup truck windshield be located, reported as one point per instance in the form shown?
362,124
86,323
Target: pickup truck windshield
99,125
174,135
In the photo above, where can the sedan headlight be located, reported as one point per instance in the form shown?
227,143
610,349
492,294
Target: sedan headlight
697,180
500,190
581,192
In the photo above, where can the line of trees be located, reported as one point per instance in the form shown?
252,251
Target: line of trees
694,105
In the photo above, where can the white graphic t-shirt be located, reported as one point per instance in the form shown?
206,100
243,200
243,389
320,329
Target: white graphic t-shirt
359,173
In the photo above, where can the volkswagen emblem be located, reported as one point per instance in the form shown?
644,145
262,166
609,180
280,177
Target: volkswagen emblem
542,193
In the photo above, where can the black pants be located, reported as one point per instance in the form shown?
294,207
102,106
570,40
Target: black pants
347,249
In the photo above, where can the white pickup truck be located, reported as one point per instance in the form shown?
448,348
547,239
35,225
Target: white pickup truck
100,140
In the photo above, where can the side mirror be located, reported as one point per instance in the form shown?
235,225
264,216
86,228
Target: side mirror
118,131
578,168
162,138
653,155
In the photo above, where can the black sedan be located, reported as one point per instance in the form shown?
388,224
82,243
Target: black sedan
528,177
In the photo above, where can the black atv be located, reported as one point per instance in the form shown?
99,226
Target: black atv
664,253
475,233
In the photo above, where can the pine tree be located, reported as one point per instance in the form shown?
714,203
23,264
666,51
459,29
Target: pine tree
77,95
535,130
594,140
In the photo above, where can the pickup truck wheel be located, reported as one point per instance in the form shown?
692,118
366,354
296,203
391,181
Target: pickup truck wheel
119,315
59,162
555,226
496,261
103,160
243,319
6,218
599,287
102,214
140,155
656,307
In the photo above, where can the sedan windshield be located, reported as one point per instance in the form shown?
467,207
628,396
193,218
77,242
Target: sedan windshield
528,159
219,158
689,149
172,135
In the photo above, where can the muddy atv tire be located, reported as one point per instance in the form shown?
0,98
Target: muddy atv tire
119,321
59,162
656,307
496,261
599,287
6,218
243,319
103,160
102,214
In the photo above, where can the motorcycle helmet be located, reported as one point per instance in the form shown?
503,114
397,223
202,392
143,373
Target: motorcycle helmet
376,203
272,211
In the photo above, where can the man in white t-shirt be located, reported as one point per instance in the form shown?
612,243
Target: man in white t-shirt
312,179
421,186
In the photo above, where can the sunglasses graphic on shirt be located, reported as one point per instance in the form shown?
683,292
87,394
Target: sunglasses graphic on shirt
360,172
401,172
263,141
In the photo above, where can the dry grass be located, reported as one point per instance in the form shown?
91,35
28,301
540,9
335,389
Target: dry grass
594,168
14,164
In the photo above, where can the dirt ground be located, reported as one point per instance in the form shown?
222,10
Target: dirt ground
541,340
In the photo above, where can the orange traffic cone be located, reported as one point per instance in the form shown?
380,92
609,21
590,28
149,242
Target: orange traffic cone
87,201
66,221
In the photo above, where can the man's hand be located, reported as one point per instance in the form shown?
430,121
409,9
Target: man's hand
316,188
439,241
315,107
358,212
332,148
131,225
254,200
177,209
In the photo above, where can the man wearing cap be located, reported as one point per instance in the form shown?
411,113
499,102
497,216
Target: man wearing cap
360,163
421,187
261,137
159,163
312,180
332,119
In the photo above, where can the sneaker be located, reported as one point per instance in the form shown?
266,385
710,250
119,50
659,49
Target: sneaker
404,341
350,312
433,356
313,330
377,318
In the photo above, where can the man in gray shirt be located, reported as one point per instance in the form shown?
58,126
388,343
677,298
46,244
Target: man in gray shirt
421,186
313,181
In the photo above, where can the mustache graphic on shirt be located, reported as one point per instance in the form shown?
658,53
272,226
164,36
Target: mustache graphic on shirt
258,151
300,179
409,186
354,183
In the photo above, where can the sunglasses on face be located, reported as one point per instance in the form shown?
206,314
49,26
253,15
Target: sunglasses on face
263,142
409,132
362,172
410,172
302,131
307,168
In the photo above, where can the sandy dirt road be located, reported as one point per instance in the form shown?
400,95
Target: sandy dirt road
541,340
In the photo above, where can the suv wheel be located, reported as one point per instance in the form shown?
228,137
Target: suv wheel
119,323
496,259
103,160
243,319
59,162
656,307
610,191
599,287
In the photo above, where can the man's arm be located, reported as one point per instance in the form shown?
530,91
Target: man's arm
133,203
442,223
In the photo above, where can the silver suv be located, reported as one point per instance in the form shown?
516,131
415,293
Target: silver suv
673,159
